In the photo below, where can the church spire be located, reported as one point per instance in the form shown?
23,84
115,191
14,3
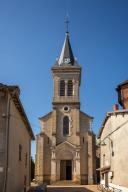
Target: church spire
66,56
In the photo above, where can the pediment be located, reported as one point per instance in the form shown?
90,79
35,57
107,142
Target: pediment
66,144
65,150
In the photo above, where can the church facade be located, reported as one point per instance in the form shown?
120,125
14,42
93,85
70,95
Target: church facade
65,146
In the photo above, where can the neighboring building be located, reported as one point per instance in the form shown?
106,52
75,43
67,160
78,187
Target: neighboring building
15,141
97,162
122,90
114,141
66,144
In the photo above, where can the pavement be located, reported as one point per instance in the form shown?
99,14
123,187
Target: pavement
80,188
70,188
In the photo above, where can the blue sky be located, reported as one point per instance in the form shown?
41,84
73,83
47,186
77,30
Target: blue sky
31,37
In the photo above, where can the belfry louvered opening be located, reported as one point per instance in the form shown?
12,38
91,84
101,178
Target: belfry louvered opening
70,88
62,88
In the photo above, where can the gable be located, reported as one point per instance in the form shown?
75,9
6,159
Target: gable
65,150
65,144
86,115
46,117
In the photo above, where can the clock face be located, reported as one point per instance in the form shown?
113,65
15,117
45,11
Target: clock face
67,60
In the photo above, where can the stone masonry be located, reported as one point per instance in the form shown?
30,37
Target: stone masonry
65,147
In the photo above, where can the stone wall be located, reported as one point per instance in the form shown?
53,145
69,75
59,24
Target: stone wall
18,171
3,111
113,153
51,146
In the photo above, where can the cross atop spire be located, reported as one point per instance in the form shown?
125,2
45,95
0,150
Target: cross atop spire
67,22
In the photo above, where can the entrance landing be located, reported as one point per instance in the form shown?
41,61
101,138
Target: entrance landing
65,183
75,188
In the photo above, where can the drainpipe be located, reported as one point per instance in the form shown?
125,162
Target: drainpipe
7,116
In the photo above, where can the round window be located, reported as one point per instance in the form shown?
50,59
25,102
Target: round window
66,108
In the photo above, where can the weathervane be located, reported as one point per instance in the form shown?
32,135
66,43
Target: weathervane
67,23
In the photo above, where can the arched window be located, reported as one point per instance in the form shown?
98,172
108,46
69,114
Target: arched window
70,88
62,88
66,125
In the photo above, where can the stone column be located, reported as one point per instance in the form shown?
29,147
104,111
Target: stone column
77,90
54,128
53,166
90,159
56,87
73,87
54,123
57,170
39,158
78,122
76,171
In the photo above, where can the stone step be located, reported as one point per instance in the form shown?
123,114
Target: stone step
64,183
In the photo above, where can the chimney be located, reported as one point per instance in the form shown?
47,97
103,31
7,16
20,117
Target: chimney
115,107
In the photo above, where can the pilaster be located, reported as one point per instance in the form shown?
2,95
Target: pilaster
76,166
90,158
53,165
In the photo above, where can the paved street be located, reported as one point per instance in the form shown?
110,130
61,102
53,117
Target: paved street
67,189
70,189
87,188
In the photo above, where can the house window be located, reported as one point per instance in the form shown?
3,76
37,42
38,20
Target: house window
62,88
26,159
70,88
20,152
48,140
66,125
104,160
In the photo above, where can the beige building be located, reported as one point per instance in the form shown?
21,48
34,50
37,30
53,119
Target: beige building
114,141
15,141
65,145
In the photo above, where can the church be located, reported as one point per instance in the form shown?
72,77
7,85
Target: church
65,146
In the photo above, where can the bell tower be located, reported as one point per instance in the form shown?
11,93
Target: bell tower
66,77
66,102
